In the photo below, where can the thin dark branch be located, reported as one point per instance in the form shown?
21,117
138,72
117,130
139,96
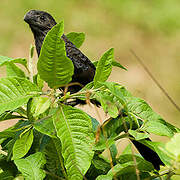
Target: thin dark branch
155,80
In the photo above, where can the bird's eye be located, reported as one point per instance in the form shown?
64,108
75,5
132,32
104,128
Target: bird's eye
42,18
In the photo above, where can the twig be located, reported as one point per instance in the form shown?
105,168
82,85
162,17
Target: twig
155,80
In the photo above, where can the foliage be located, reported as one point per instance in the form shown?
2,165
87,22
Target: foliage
54,140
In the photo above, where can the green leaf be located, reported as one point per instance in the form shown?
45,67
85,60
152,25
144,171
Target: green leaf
5,60
114,63
76,38
107,102
126,169
117,170
117,64
7,133
117,91
53,65
113,151
74,129
15,92
53,157
127,150
142,164
7,166
13,70
101,164
31,167
138,135
95,123
158,127
6,175
153,123
95,63
104,67
38,106
103,144
141,109
31,51
23,144
38,81
45,126
173,146
112,127
8,115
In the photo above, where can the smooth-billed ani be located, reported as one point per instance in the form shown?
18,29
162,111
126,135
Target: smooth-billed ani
40,23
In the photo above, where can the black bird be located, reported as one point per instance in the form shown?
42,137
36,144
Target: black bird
40,23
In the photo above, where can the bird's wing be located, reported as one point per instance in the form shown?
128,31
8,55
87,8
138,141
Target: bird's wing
83,67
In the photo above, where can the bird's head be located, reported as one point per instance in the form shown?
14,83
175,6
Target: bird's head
39,20
40,23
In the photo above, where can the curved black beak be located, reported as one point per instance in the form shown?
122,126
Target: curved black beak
29,16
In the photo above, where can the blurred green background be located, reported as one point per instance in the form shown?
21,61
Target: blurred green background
151,28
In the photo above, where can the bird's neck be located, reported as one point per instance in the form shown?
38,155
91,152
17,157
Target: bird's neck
39,38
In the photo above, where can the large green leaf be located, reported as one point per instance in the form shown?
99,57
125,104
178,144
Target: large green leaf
74,129
23,144
13,70
15,92
53,65
76,38
31,167
104,67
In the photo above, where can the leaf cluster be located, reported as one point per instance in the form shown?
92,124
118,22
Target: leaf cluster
53,140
